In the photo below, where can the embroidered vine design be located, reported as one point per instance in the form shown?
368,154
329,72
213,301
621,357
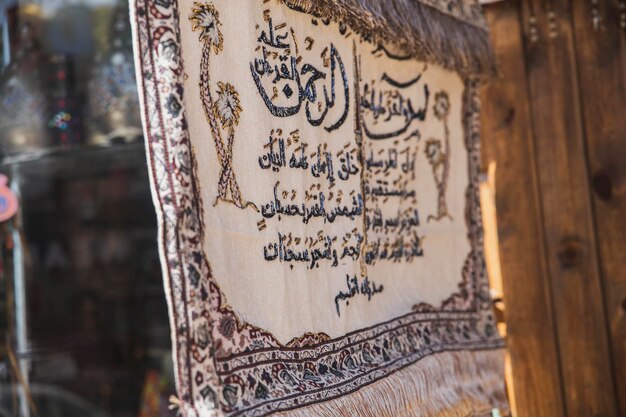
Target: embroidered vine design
438,155
226,109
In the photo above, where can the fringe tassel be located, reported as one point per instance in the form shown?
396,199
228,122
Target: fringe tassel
448,384
418,30
175,403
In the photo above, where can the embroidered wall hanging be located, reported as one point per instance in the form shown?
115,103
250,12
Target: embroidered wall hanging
314,167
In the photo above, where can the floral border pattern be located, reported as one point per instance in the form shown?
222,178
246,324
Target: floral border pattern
223,363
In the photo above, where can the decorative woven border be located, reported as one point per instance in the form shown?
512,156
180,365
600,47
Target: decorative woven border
212,371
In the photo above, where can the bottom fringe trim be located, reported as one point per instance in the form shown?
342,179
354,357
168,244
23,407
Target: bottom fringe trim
447,384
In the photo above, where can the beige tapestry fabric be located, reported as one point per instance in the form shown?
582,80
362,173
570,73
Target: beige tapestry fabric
316,182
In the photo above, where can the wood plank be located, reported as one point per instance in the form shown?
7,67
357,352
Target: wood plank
507,139
567,213
601,57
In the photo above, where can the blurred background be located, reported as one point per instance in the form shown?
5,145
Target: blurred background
83,322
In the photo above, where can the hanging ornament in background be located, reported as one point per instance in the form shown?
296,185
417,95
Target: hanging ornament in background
8,200
68,38
23,103
113,99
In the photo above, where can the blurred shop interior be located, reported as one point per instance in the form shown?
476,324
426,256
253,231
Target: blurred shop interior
83,322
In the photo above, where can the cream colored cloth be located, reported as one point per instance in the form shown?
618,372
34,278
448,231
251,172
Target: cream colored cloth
318,202
291,298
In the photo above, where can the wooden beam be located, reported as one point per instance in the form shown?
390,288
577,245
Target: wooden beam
571,256
507,139
601,58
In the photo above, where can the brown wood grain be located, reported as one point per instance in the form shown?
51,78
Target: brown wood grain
601,58
507,139
570,245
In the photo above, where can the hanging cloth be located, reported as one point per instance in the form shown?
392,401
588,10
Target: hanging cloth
314,167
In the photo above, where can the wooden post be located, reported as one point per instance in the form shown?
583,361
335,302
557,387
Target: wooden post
569,235
599,30
507,139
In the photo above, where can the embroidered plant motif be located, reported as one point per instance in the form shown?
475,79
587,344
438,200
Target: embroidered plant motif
231,395
438,155
205,18
442,105
433,150
227,326
226,108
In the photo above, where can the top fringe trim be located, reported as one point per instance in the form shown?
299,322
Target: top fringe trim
450,33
